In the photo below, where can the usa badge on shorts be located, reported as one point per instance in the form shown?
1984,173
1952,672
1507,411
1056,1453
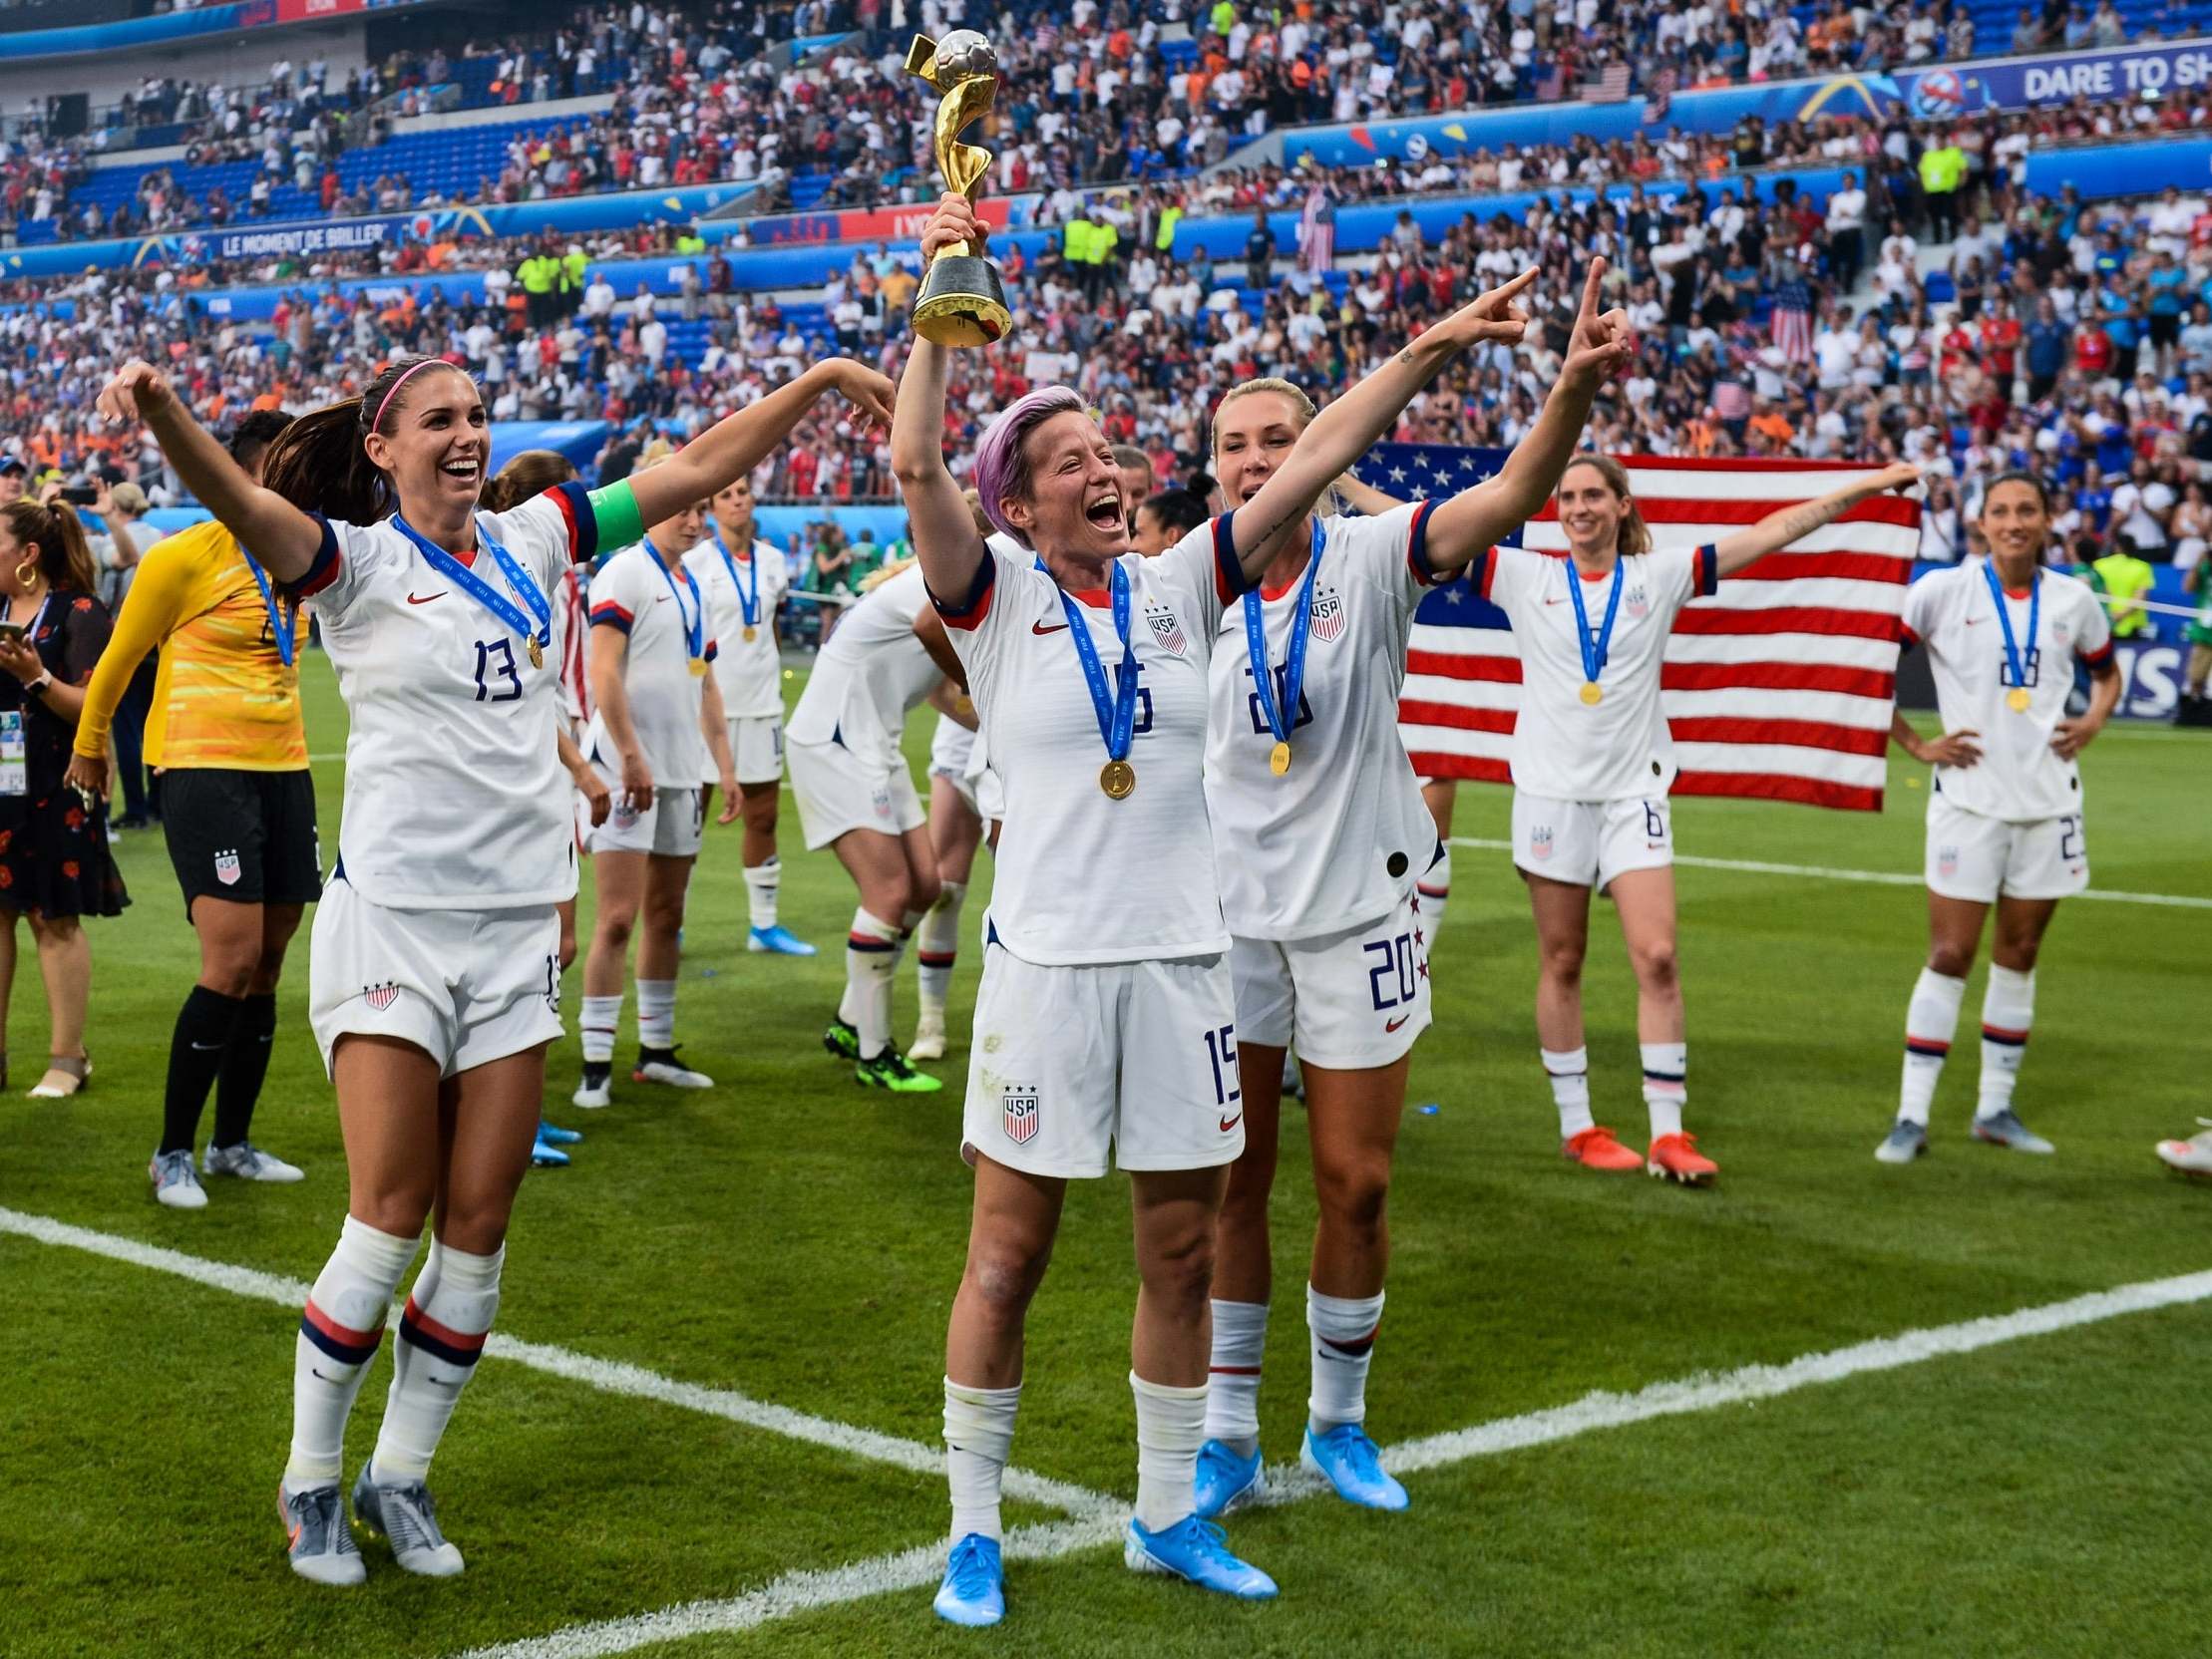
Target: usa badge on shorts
1947,861
380,997
1540,842
226,867
1328,619
1019,1118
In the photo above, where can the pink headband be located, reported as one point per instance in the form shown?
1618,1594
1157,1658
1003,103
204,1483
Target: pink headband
377,425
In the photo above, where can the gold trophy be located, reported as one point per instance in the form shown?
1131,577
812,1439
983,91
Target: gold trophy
962,302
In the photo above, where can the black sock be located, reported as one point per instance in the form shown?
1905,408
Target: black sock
245,1062
195,1052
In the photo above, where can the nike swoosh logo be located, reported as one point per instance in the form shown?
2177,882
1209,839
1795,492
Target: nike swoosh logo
661,600
1228,1124
1554,601
1975,621
1041,628
1392,1025
320,1375
425,598
207,1047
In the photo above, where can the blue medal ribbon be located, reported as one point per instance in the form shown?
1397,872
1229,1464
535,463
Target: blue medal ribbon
281,625
748,604
1278,717
695,621
1117,715
2013,658
482,591
1596,649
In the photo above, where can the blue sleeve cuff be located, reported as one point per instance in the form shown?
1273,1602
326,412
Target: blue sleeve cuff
323,569
584,522
969,610
1416,546
1229,571
1709,572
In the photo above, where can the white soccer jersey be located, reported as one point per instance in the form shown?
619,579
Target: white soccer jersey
1341,836
454,797
1952,615
1618,748
869,674
749,671
658,608
1082,878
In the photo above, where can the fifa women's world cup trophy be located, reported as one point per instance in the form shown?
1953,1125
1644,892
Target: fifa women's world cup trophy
961,301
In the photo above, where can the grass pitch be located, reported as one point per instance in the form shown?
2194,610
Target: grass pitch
797,1239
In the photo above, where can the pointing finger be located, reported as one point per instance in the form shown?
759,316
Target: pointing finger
1591,286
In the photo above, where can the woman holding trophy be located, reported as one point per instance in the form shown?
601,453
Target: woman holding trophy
1106,1013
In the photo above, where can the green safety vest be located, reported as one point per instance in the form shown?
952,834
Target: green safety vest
1940,169
572,272
537,274
1075,241
2124,576
1170,217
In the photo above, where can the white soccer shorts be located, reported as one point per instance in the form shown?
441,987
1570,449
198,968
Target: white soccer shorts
1136,1056
1587,842
1348,1001
757,748
838,791
1976,858
672,827
465,986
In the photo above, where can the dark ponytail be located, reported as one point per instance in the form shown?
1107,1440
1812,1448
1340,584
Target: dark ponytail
320,464
64,557
530,475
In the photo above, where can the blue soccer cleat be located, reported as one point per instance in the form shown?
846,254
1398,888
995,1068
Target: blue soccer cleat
776,941
1350,1461
547,1157
1226,1478
557,1137
1196,1552
975,1589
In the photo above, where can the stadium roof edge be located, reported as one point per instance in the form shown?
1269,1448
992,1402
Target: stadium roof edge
203,24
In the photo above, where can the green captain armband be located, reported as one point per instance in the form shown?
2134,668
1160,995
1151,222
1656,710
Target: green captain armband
614,507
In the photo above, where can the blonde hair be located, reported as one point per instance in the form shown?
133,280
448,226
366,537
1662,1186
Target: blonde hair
1330,505
984,526
1636,535
876,578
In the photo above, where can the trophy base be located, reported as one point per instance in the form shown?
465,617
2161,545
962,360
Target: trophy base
962,302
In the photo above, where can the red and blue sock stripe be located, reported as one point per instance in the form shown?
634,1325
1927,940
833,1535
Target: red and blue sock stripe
1927,1048
341,1341
418,1330
2001,1034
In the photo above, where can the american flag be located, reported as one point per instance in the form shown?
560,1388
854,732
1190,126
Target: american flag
1793,319
1318,232
1778,688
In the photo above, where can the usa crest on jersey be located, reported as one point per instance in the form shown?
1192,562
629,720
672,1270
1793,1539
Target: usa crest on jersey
1019,1113
1328,618
226,867
1166,629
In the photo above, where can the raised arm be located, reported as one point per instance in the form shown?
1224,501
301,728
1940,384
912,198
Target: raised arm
1462,528
277,532
1343,433
738,442
944,538
1778,530
1365,498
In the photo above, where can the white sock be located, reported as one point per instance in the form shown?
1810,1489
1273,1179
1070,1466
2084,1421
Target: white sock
936,946
656,1013
761,885
1666,1085
1931,1020
1344,1330
870,958
1232,1375
1170,1426
2008,1010
978,1436
339,1330
1569,1072
441,1337
1434,891
596,1026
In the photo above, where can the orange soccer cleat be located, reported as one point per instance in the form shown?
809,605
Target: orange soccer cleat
1596,1148
1676,1158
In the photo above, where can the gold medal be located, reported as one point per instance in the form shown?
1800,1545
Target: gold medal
1279,759
1118,779
698,668
751,633
1593,692
2016,699
529,648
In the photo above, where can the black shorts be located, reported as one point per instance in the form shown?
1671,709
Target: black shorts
2165,328
245,837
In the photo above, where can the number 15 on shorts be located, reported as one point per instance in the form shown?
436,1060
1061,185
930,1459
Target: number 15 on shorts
1220,1051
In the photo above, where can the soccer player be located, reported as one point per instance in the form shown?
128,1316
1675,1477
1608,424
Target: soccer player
432,991
857,797
744,580
1592,763
659,721
2005,812
238,813
1106,1014
1166,518
1320,834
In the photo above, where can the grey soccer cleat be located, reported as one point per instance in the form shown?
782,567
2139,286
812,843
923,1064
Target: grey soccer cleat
248,1163
406,1516
2006,1130
318,1541
175,1184
1905,1142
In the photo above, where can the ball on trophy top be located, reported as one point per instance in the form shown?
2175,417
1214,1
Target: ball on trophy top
964,55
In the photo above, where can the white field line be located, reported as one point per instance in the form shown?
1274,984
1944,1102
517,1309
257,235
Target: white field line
911,1570
608,1376
1877,878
